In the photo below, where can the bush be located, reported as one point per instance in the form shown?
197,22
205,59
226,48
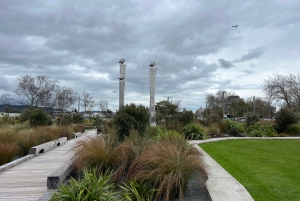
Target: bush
261,130
233,128
293,129
91,187
77,118
284,118
36,117
251,118
194,132
131,117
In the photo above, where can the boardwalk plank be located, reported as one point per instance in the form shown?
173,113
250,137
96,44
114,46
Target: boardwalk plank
28,180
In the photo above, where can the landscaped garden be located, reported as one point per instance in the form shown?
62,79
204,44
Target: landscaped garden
269,169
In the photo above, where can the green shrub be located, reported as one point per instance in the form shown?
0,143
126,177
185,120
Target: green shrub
36,117
91,187
261,130
233,128
251,118
284,118
194,132
77,118
66,120
131,117
293,129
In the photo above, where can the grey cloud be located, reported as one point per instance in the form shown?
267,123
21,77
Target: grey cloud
225,64
68,39
255,53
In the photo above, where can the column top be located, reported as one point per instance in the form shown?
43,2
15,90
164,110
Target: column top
152,64
122,60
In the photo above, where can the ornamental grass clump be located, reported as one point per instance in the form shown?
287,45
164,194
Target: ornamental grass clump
7,152
94,152
126,152
168,165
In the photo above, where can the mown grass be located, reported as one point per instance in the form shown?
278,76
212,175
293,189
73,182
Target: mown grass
269,169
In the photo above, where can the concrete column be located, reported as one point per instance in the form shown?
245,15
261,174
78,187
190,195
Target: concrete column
122,83
152,72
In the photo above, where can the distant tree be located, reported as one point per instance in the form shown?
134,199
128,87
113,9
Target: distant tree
131,117
65,97
36,117
186,117
37,90
284,88
103,104
6,99
87,102
167,110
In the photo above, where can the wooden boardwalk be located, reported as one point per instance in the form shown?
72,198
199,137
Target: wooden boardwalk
28,181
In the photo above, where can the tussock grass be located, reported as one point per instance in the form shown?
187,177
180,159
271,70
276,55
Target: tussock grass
127,152
7,152
168,164
27,139
94,152
78,128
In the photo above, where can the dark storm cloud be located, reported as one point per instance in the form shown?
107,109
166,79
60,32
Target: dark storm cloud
79,43
255,53
225,64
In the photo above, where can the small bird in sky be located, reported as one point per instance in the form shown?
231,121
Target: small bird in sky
236,26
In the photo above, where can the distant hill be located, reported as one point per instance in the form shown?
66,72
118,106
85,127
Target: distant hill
14,108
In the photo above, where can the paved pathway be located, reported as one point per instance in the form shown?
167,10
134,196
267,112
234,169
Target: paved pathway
28,181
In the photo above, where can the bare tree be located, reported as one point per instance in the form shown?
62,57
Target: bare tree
103,104
87,102
37,90
65,97
6,99
284,88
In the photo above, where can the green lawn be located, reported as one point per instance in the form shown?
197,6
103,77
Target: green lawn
269,169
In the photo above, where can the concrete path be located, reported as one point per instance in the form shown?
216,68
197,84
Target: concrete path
28,180
220,184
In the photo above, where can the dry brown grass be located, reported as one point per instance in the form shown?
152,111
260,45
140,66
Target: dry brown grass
127,152
27,139
77,128
94,152
7,152
168,164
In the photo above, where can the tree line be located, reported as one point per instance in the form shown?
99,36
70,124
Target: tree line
42,91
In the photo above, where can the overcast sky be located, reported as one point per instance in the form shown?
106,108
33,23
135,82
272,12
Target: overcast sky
196,50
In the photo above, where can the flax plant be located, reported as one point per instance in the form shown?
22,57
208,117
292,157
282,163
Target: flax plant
93,186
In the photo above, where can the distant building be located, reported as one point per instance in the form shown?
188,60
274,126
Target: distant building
200,113
14,115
